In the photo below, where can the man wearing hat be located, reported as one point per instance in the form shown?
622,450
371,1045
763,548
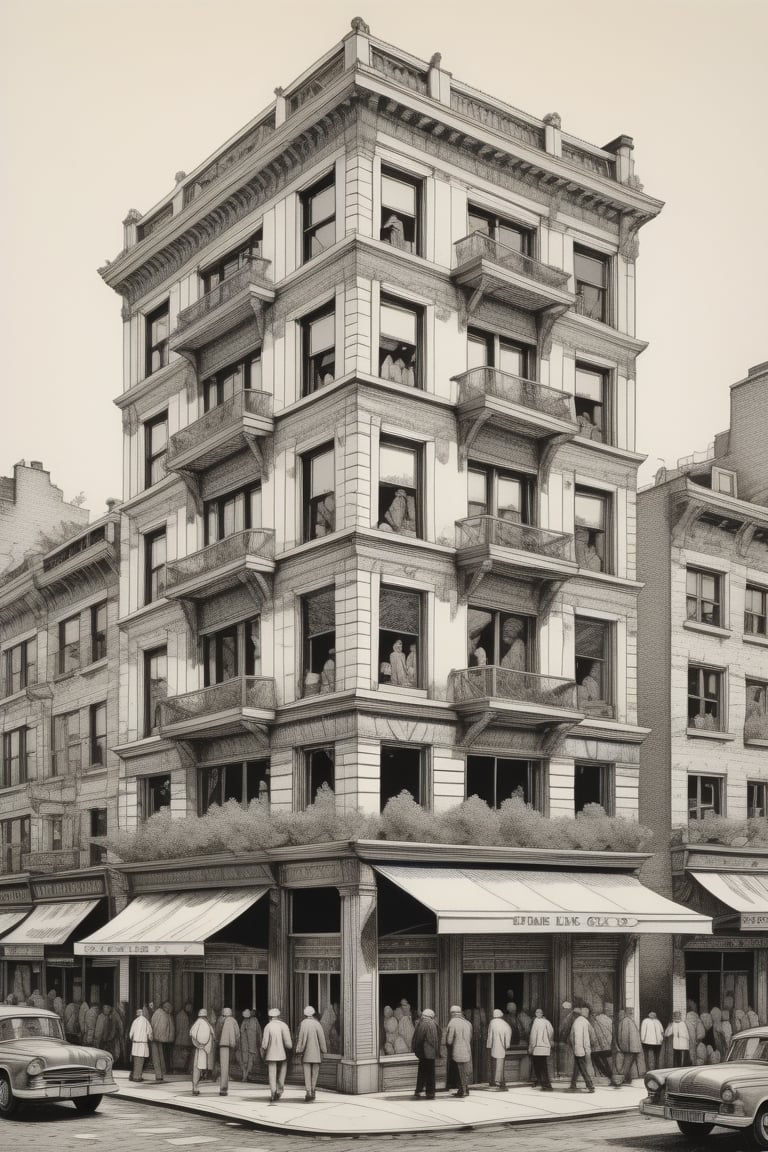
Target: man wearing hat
163,1036
310,1045
140,1036
275,1045
229,1041
458,1039
425,1044
499,1040
201,1035
250,1042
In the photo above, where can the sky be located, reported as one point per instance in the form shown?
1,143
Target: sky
103,101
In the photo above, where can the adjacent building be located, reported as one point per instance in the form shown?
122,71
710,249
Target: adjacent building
33,510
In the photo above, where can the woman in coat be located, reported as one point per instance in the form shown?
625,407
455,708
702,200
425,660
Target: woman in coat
275,1045
311,1045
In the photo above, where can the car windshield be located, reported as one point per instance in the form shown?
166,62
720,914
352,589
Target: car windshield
752,1048
30,1027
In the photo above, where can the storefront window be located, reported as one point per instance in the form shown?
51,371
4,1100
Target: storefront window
323,991
722,981
402,996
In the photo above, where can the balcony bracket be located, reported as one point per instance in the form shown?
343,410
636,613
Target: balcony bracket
545,323
189,608
477,728
473,579
259,447
190,355
476,297
547,451
193,487
186,750
259,731
469,428
39,691
744,538
555,738
259,588
548,590
686,512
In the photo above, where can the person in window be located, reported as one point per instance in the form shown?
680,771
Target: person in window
393,232
328,673
515,656
755,720
398,665
589,694
411,666
587,555
325,515
401,515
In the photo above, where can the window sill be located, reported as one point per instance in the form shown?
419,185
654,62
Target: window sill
609,578
755,742
10,789
703,734
144,745
760,641
96,666
15,696
610,449
707,629
61,676
411,693
144,610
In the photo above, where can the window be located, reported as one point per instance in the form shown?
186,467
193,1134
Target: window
702,596
399,488
155,686
401,769
320,770
98,822
757,799
400,340
233,261
319,632
591,535
400,211
98,632
725,481
502,638
400,638
155,795
318,349
155,448
591,274
756,713
154,565
157,333
593,784
66,744
591,402
243,376
55,835
98,734
509,496
19,667
318,217
319,517
504,231
704,795
496,779
19,756
15,842
232,513
69,645
509,356
232,652
705,698
594,690
240,782
755,611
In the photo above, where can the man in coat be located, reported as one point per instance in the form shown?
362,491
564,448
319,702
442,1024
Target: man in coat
107,1032
602,1024
229,1042
140,1035
183,1044
163,1032
201,1035
88,1023
651,1038
72,1021
275,1046
629,1044
540,1041
581,1048
425,1044
310,1045
458,1039
677,1031
250,1042
498,1042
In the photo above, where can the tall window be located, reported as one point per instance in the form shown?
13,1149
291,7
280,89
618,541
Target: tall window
705,794
155,448
509,356
591,402
703,596
242,376
66,756
154,565
19,667
496,492
399,488
755,611
15,842
400,638
504,231
233,261
757,799
497,778
99,632
318,216
242,782
232,513
98,734
158,329
400,341
401,770
19,756
591,536
705,698
593,784
155,686
317,469
319,632
55,834
69,645
320,769
400,210
591,274
98,828
232,652
318,347
154,794
593,667
756,713
502,638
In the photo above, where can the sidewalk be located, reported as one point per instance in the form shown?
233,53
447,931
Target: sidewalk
333,1114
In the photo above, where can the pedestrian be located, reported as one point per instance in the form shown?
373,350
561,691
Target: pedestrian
310,1045
681,1045
498,1042
250,1042
629,1044
201,1035
565,1056
182,1052
275,1045
88,1023
72,1021
162,1040
229,1042
458,1039
651,1037
580,1047
540,1042
140,1035
425,1044
602,1024
106,1033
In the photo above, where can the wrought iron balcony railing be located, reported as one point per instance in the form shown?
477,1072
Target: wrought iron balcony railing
479,245
490,682
252,542
249,402
256,692
491,530
255,270
486,381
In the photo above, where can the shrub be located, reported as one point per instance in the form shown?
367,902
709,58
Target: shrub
724,830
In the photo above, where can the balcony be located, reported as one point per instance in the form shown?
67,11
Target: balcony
517,699
61,860
93,553
487,268
242,296
488,543
223,565
488,395
247,702
220,433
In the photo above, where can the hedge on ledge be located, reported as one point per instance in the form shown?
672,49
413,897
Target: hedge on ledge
725,830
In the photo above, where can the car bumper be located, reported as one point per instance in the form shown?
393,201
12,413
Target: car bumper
694,1115
65,1091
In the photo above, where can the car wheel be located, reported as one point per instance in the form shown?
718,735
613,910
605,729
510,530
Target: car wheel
694,1131
8,1102
87,1104
760,1128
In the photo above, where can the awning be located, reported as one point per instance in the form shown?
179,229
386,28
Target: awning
744,892
477,900
9,919
169,923
46,924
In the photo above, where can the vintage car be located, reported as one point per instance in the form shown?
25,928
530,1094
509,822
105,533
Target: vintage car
37,1063
733,1094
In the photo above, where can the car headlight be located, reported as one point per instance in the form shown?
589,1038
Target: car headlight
103,1063
652,1084
728,1094
35,1067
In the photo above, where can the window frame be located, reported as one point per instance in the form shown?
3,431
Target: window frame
23,755
231,767
383,524
154,582
310,229
67,662
495,346
151,700
97,852
307,783
606,785
27,671
603,290
605,706
755,719
97,734
606,561
757,790
718,805
244,379
415,672
146,786
416,183
703,670
99,632
423,798
310,369
497,222
315,676
247,663
238,257
492,474
416,366
600,432
13,847
157,347
243,501
500,617
698,599
71,750
155,460
754,618
535,783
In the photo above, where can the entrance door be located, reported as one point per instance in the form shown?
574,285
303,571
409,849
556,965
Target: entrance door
476,994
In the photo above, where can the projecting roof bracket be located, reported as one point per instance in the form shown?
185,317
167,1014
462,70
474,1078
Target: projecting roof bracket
259,587
744,538
473,579
477,728
545,323
257,730
548,590
469,428
192,483
189,608
547,451
555,737
186,750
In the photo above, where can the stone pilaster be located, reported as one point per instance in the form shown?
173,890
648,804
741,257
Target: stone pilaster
359,980
450,964
279,961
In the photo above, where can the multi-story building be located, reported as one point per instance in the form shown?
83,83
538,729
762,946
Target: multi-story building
31,510
58,776
703,547
379,534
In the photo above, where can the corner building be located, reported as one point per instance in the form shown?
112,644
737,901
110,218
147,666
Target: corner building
379,534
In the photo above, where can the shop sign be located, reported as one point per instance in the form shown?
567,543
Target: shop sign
192,948
753,920
62,889
747,863
61,961
571,922
24,951
19,895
